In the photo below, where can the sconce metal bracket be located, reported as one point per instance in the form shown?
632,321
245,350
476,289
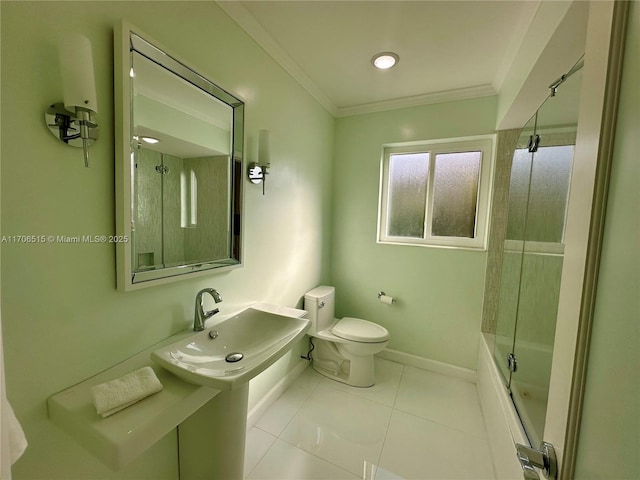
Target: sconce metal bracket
255,173
66,125
258,174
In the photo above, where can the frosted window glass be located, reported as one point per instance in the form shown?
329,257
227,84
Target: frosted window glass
408,178
519,193
455,194
539,193
549,193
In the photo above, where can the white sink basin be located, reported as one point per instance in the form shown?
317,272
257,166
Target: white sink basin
234,351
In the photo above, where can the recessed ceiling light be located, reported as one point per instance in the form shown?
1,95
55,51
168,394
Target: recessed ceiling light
384,60
149,139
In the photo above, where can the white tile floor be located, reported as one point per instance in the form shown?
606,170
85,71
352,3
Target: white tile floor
411,425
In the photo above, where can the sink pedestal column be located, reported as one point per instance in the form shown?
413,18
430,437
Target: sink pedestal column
212,440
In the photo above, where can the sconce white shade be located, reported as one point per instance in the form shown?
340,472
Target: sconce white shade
264,147
76,66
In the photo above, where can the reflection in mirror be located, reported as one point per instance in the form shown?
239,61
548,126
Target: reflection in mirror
181,168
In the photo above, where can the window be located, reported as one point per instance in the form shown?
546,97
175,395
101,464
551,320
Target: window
436,193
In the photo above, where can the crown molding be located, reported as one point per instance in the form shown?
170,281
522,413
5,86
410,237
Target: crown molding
418,100
247,22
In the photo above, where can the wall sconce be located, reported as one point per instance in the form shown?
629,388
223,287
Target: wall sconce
73,120
258,171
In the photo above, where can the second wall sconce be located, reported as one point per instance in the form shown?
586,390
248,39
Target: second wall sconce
73,120
258,171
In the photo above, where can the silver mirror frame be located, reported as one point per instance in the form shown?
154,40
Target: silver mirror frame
126,39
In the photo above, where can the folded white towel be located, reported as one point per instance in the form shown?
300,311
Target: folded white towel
118,394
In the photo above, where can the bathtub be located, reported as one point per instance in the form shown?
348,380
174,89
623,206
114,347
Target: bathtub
503,425
530,385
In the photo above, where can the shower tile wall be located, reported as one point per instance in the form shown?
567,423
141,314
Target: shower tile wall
538,297
153,218
506,144
531,281
545,227
148,208
210,240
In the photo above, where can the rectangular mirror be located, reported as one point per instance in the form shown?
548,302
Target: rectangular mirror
178,167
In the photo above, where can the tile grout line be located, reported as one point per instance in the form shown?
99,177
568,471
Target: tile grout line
330,384
277,437
316,456
395,398
297,410
247,475
386,433
477,434
375,471
435,422
323,379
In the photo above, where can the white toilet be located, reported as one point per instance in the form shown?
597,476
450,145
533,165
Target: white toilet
343,349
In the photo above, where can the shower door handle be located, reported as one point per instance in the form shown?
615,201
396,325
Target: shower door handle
528,472
534,143
512,363
544,459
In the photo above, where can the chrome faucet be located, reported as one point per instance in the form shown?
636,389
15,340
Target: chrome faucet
200,315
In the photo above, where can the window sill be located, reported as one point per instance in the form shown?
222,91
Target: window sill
481,248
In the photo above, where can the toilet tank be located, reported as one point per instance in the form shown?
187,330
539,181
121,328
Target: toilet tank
320,303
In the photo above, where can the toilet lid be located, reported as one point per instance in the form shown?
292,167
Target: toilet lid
360,330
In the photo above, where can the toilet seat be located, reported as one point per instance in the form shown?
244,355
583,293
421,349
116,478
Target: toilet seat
359,330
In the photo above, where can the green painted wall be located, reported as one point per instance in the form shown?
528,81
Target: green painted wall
62,318
439,291
610,433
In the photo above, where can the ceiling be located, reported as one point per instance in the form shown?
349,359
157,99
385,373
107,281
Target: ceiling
448,49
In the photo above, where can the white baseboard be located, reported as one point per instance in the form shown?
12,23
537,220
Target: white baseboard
428,364
276,391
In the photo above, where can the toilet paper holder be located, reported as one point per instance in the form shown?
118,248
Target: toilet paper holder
384,298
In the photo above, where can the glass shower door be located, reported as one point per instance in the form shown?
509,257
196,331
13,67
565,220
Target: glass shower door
533,255
541,271
513,251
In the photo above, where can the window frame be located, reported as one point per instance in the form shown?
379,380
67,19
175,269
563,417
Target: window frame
483,143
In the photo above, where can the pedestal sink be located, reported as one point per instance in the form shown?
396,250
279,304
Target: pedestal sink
232,352
225,356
